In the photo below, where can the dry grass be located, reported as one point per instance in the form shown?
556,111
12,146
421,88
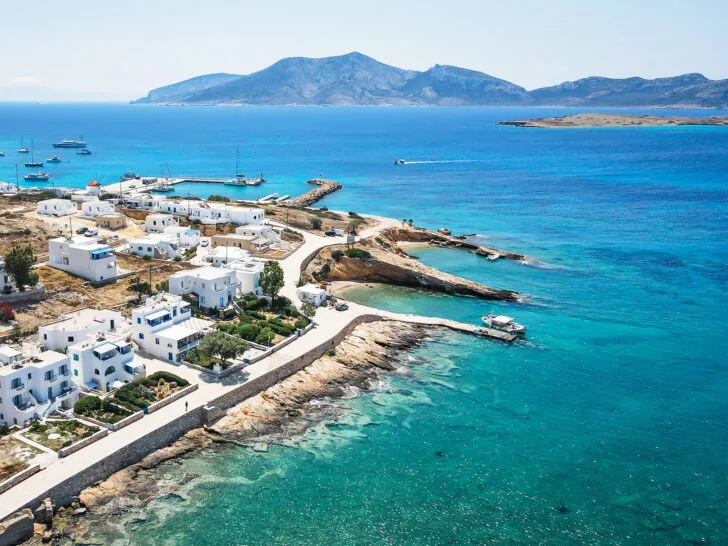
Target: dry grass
301,218
15,456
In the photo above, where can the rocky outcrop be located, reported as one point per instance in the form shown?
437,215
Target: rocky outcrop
325,187
386,263
17,528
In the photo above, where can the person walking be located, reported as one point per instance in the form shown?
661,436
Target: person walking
187,405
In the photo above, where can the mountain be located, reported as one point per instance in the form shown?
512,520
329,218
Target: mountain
691,90
355,79
352,79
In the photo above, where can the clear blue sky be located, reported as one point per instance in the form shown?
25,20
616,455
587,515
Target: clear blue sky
95,49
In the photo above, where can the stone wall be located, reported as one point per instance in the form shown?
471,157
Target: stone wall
15,479
34,294
176,396
73,448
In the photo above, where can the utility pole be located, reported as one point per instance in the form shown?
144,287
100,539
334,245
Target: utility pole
17,180
150,279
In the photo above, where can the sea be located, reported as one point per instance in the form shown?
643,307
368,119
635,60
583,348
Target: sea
605,425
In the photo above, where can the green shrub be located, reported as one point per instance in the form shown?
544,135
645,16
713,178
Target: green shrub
301,324
146,257
316,223
228,314
167,377
177,258
216,197
87,405
337,255
358,253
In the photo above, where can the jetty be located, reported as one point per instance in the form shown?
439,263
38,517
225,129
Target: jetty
325,187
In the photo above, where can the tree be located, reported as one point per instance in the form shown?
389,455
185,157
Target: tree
316,223
221,345
162,286
265,336
139,287
308,309
271,280
18,263
410,222
33,279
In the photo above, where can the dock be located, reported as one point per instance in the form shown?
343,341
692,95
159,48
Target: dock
454,325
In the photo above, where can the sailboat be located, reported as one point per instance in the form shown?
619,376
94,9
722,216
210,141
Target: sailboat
239,179
33,162
23,149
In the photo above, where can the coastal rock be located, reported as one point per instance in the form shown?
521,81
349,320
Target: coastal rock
325,187
44,512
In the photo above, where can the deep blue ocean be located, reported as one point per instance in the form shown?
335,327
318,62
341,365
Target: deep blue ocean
606,426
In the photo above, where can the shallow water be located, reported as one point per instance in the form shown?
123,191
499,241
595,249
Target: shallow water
607,425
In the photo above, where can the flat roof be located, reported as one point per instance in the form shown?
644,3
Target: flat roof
157,314
83,318
311,289
185,328
207,273
8,351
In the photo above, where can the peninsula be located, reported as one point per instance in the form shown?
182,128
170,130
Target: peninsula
616,120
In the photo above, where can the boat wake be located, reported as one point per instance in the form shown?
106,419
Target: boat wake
441,161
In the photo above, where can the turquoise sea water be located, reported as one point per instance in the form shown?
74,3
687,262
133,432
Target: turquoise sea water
607,426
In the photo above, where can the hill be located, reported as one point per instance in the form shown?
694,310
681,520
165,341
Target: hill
357,80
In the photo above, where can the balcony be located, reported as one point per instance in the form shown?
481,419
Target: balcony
19,387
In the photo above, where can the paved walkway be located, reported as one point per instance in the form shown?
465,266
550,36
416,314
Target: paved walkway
328,324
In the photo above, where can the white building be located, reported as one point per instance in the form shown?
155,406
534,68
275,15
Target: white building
165,327
56,207
311,293
34,387
222,255
264,231
244,215
182,208
104,362
248,273
84,257
214,287
161,247
143,201
95,207
6,279
78,326
209,213
156,223
7,187
185,237
93,188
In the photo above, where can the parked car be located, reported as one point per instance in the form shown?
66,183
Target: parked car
82,230
204,242
324,209
335,232
342,307
91,232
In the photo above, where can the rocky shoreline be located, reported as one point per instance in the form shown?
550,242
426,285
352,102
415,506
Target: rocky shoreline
616,120
283,410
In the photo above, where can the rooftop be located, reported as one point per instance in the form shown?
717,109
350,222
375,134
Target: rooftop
184,329
82,319
311,289
205,273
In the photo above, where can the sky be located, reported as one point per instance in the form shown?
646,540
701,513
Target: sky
117,51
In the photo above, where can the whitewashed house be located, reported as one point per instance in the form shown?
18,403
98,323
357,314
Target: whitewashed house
248,273
209,213
82,256
143,201
104,362
156,223
214,287
7,187
7,283
34,387
93,188
310,293
244,215
222,255
78,326
56,207
185,237
164,327
95,208
160,247
182,208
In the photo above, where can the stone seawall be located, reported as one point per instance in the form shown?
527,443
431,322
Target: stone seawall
325,187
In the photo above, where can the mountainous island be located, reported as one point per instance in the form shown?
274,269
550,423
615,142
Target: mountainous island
357,80
616,120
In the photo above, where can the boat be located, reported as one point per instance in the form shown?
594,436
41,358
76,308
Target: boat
2,154
130,175
162,187
23,149
84,151
493,257
399,162
70,144
37,176
54,159
503,324
33,162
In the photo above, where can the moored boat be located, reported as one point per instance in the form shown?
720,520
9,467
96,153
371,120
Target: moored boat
84,151
54,159
70,144
399,161
503,324
37,176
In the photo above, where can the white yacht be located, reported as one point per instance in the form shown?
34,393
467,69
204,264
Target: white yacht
504,324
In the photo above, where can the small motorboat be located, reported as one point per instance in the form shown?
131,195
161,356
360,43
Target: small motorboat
2,154
504,324
37,176
399,162
54,159
493,257
84,151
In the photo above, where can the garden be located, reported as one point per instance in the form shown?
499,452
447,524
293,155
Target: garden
57,434
15,456
130,398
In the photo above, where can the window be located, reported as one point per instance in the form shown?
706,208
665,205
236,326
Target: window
139,320
75,357
30,376
70,339
49,375
141,336
156,341
97,372
45,336
15,383
109,370
75,372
